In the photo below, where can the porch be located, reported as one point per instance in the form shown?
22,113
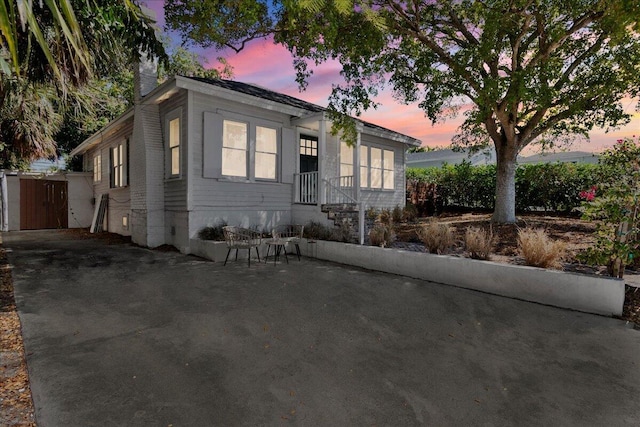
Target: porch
337,197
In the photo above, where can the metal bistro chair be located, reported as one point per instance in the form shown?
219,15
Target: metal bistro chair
241,238
284,235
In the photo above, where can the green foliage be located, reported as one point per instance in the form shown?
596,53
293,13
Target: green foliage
614,203
214,233
55,55
533,72
317,231
550,187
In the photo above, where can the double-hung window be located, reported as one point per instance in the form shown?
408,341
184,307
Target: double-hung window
97,168
243,159
380,167
364,166
174,147
266,160
118,167
346,160
234,148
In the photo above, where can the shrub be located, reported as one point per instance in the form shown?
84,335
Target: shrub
410,213
479,242
396,214
437,237
615,205
317,231
381,235
343,233
212,232
384,217
538,250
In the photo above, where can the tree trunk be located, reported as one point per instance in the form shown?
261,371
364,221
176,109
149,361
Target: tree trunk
505,208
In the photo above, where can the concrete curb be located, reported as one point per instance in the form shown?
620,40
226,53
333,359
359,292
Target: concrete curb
591,294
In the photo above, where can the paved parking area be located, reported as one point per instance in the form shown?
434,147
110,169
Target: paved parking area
118,335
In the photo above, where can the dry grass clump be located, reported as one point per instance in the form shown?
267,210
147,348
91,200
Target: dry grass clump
539,250
437,237
479,243
381,235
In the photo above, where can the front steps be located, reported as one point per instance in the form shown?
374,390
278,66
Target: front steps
344,217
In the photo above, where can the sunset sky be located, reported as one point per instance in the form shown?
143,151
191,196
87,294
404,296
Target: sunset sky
269,65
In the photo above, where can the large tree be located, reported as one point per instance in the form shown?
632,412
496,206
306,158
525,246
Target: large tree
48,51
526,71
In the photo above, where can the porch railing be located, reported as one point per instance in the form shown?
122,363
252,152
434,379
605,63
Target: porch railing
306,188
340,190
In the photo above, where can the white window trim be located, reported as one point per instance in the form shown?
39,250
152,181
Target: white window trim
97,167
121,167
170,116
252,123
383,171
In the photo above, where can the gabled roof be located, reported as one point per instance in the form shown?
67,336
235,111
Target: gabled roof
240,92
290,101
259,92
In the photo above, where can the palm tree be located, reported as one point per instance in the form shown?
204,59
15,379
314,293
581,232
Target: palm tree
50,47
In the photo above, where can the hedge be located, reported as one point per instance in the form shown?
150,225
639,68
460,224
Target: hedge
551,187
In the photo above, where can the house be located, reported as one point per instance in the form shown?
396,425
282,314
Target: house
561,157
438,158
194,152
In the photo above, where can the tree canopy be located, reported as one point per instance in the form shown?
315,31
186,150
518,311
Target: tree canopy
526,71
48,51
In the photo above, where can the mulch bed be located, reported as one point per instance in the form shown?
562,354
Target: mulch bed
16,403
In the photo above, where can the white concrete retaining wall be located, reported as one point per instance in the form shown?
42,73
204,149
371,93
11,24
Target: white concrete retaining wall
591,294
217,251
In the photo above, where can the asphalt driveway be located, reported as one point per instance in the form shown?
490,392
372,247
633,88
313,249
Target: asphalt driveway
118,335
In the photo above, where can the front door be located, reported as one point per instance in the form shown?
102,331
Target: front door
308,154
308,169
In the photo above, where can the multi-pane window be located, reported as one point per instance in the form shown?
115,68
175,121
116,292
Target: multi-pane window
234,149
346,160
308,146
266,153
174,146
118,166
379,167
97,168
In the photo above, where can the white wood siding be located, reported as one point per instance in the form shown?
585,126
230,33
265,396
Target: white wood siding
119,198
379,198
175,190
238,202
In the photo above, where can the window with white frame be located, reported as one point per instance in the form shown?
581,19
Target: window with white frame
118,168
97,168
234,148
378,167
346,160
364,166
174,147
266,160
388,181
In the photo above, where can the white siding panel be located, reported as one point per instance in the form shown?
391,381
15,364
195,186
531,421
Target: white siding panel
250,203
289,151
175,190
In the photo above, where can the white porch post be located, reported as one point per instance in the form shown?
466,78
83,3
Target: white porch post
322,152
356,183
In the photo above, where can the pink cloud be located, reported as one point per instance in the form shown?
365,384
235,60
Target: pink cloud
269,65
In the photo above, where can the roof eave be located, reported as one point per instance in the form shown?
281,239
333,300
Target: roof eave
88,143
231,95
